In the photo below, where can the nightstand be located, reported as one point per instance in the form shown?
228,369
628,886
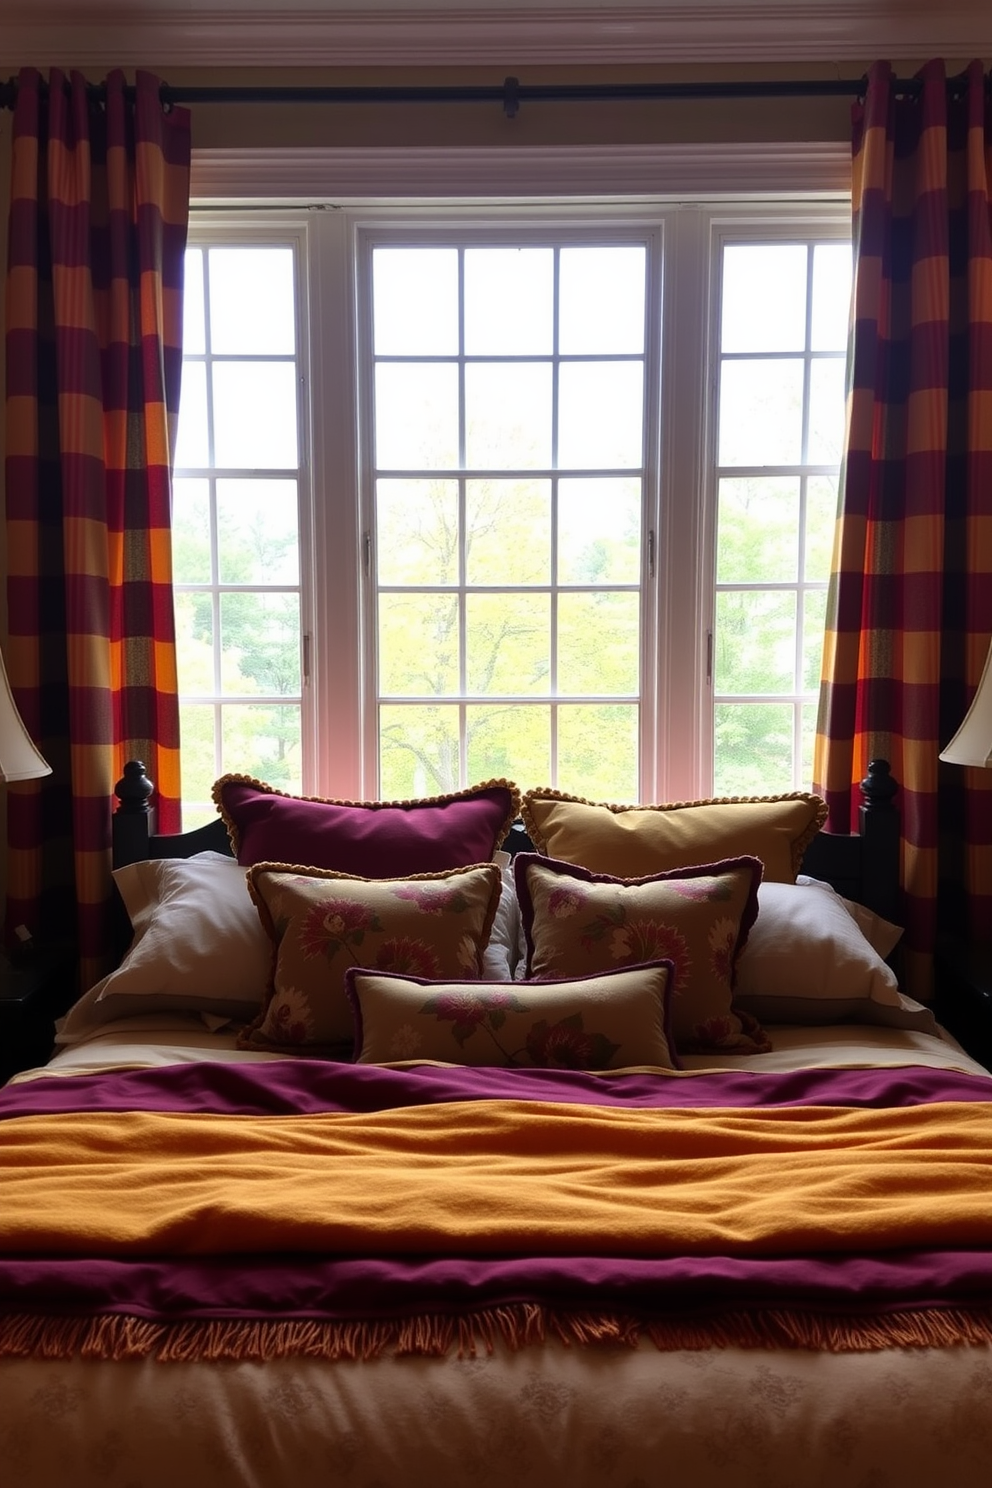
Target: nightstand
33,993
963,994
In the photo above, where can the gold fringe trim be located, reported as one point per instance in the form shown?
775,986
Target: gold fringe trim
120,1336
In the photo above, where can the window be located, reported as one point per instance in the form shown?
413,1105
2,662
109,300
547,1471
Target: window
236,502
508,491
509,436
783,329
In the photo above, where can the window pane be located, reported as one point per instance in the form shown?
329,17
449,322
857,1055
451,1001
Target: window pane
415,299
194,326
255,415
257,532
601,415
764,297
756,641
821,517
509,741
597,744
263,740
193,436
509,301
508,532
752,749
418,750
507,415
198,765
758,527
761,412
418,645
260,643
826,411
599,531
832,274
417,531
191,532
814,620
602,300
598,643
263,279
809,715
416,416
194,644
508,641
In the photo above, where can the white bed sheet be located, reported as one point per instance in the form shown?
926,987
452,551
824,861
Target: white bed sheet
173,1038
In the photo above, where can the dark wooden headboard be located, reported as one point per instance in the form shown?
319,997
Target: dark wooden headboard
862,865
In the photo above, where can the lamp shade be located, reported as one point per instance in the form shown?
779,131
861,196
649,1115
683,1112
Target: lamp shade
19,759
972,744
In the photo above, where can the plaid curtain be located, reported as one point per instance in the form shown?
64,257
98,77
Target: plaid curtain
910,608
97,234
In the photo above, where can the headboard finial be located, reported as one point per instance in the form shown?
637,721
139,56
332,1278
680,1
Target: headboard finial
878,786
134,790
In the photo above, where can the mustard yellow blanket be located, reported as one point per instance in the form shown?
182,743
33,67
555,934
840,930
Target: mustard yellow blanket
499,1177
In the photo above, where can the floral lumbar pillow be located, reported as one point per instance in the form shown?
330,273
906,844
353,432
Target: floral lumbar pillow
611,1020
320,923
577,922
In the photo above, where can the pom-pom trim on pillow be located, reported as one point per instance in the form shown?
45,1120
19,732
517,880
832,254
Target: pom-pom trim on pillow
632,840
373,839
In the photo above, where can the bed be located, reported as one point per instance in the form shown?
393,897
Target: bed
391,1169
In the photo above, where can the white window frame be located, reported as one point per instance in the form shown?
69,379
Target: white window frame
676,755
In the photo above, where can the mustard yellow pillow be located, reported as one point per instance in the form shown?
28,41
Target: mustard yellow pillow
610,1020
577,923
321,922
633,841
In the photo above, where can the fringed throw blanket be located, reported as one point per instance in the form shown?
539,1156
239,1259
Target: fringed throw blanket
305,1207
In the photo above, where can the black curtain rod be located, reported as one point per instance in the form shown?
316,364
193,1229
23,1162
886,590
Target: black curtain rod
511,93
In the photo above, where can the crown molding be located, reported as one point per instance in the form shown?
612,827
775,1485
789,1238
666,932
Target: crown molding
123,33
642,171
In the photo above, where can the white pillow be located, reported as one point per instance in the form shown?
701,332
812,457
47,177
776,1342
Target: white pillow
880,934
198,946
806,961
499,959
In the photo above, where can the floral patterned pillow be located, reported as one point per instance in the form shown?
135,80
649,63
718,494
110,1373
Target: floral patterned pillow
610,1020
577,922
321,923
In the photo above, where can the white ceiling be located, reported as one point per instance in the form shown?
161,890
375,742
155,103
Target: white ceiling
327,33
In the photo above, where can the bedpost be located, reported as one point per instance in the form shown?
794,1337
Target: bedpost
134,820
880,832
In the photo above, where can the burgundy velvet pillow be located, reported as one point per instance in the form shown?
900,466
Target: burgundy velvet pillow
373,839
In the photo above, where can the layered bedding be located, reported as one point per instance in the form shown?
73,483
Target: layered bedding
257,1269
489,1173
